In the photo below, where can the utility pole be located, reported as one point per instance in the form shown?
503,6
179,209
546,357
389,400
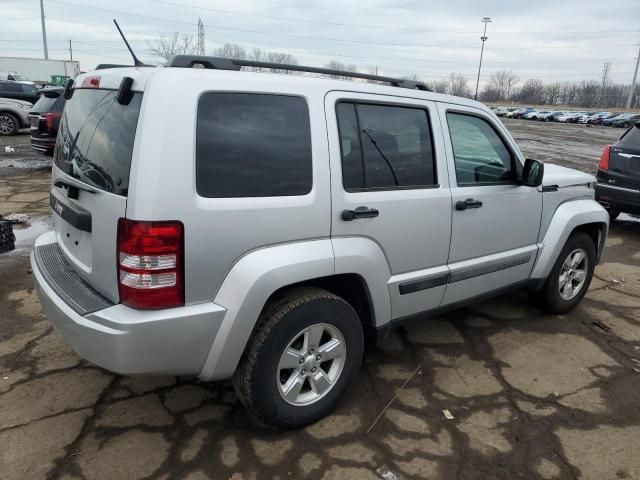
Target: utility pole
603,85
201,41
44,31
484,37
70,51
633,82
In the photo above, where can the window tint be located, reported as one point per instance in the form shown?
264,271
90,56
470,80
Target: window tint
12,87
95,139
31,90
631,138
252,145
385,146
479,153
49,103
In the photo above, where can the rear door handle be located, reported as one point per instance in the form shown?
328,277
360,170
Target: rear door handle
360,212
468,203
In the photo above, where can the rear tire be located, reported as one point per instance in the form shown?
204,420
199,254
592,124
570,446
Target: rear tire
304,355
569,279
9,124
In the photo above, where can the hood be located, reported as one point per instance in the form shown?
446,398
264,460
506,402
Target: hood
564,177
15,102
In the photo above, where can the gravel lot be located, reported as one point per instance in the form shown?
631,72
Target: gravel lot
532,395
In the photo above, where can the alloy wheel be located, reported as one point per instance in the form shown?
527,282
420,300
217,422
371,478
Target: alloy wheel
311,364
6,124
573,274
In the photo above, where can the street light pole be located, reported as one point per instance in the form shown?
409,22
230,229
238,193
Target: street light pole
633,82
484,37
44,31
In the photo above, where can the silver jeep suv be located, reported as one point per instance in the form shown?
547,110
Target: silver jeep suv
226,223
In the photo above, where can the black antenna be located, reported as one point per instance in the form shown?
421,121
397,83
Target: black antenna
136,61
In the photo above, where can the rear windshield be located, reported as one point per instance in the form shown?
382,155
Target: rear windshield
95,140
50,102
631,138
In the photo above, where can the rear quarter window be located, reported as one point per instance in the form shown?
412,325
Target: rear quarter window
252,145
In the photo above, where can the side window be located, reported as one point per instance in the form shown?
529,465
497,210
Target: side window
480,155
31,90
385,146
11,87
252,145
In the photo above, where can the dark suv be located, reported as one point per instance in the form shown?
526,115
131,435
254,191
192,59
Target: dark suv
45,120
18,91
618,187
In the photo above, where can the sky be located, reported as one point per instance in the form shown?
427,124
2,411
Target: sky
550,40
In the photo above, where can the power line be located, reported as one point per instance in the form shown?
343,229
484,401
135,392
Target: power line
376,27
313,37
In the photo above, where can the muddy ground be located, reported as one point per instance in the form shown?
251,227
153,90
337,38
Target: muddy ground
531,395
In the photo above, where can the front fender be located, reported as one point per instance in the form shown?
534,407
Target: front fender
248,286
566,218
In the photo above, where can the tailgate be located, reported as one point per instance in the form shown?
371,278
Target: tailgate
624,163
90,180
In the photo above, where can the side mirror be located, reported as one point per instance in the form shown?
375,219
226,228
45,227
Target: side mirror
532,173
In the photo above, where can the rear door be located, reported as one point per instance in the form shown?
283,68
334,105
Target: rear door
90,181
389,184
495,219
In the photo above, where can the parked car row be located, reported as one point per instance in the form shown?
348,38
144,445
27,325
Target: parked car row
610,119
22,105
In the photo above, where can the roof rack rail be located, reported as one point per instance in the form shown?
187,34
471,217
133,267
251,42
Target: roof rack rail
104,66
219,63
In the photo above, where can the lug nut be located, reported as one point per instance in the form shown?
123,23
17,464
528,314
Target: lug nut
310,350
318,357
303,372
313,370
301,361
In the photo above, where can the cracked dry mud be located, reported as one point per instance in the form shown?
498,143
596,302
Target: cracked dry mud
532,395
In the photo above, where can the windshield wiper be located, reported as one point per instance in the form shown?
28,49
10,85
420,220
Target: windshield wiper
367,132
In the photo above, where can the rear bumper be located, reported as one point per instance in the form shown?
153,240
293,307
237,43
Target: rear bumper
618,198
124,340
42,145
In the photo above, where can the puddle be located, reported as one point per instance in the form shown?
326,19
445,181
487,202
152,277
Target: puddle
625,217
26,237
27,162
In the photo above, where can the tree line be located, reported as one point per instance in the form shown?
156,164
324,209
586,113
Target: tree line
503,86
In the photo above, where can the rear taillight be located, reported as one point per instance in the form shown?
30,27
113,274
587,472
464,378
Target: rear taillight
151,264
52,119
604,158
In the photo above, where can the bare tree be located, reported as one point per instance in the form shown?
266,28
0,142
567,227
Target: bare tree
458,86
336,65
440,86
503,81
231,50
553,93
260,55
174,44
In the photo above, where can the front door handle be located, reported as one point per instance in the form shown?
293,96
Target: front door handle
360,212
468,203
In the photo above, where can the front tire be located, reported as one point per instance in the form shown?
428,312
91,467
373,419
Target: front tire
571,275
9,124
301,360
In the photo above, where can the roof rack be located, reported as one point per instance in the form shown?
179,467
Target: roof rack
219,63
